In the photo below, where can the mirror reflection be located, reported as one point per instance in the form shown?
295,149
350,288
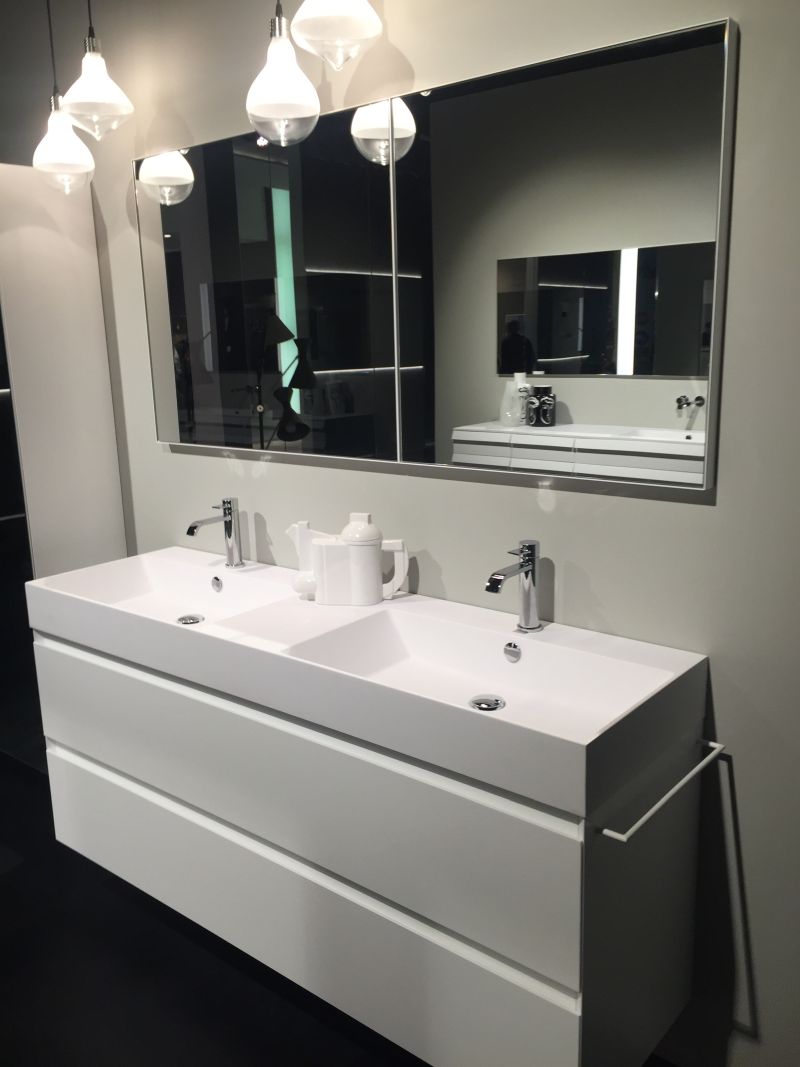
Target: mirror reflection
559,220
572,213
631,311
269,297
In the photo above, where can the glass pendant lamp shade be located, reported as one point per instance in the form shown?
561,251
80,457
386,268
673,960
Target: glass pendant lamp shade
336,30
370,130
61,156
94,102
282,104
167,177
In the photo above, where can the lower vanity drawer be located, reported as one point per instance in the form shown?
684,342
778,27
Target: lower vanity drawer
445,1001
492,870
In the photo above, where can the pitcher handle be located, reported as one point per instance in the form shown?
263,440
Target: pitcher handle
400,566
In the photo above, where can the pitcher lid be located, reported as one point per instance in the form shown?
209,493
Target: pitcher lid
361,530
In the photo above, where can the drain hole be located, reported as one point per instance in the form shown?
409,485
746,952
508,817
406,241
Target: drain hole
487,702
190,620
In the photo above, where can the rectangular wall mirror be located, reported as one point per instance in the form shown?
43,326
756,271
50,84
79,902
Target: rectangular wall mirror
525,283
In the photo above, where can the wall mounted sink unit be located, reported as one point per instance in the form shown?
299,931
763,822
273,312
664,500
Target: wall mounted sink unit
314,785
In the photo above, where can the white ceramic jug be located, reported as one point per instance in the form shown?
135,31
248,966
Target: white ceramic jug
348,569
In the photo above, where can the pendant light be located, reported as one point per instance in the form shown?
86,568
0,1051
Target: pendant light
61,156
95,102
370,130
167,177
282,104
336,30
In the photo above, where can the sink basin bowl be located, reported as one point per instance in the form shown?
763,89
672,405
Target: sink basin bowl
174,582
552,687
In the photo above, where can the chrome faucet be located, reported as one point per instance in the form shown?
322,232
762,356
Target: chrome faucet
683,401
528,553
230,520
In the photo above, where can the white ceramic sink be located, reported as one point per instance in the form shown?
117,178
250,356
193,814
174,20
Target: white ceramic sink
550,685
583,710
173,583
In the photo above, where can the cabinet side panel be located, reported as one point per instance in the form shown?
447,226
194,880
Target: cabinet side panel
638,930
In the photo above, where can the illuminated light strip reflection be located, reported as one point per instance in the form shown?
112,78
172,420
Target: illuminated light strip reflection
569,285
367,370
626,311
360,273
284,282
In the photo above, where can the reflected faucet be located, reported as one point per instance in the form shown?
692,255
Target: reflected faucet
528,553
230,520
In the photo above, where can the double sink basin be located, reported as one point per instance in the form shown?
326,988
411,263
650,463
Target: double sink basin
579,712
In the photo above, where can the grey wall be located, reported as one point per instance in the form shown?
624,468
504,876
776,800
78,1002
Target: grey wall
722,579
624,156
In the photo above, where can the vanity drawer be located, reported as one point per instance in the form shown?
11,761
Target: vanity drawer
444,1001
497,872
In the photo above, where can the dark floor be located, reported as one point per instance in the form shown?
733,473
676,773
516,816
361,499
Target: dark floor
93,972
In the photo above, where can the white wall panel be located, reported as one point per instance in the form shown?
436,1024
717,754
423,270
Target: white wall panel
55,336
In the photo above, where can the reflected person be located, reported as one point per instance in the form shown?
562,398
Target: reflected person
516,351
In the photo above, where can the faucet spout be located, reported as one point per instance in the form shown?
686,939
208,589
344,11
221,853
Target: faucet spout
528,553
195,526
497,579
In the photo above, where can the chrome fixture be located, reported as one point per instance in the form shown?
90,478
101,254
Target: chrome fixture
683,401
230,519
512,652
487,702
528,553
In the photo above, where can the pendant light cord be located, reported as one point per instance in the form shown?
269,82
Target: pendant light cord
91,32
52,49
278,10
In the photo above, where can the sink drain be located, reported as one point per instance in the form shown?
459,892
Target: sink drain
487,702
190,620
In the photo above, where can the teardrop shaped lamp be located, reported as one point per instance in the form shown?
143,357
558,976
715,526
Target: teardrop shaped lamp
95,102
166,177
336,30
282,104
370,130
61,156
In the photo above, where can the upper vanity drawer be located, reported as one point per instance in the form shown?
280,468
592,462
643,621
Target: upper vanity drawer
497,872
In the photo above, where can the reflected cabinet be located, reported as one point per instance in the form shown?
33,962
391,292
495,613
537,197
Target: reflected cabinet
510,263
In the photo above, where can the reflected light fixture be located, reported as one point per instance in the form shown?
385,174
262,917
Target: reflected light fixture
94,102
336,30
167,177
61,156
370,130
282,104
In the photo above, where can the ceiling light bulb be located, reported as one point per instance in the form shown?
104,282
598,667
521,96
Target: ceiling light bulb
370,130
94,102
282,104
61,156
167,177
336,30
